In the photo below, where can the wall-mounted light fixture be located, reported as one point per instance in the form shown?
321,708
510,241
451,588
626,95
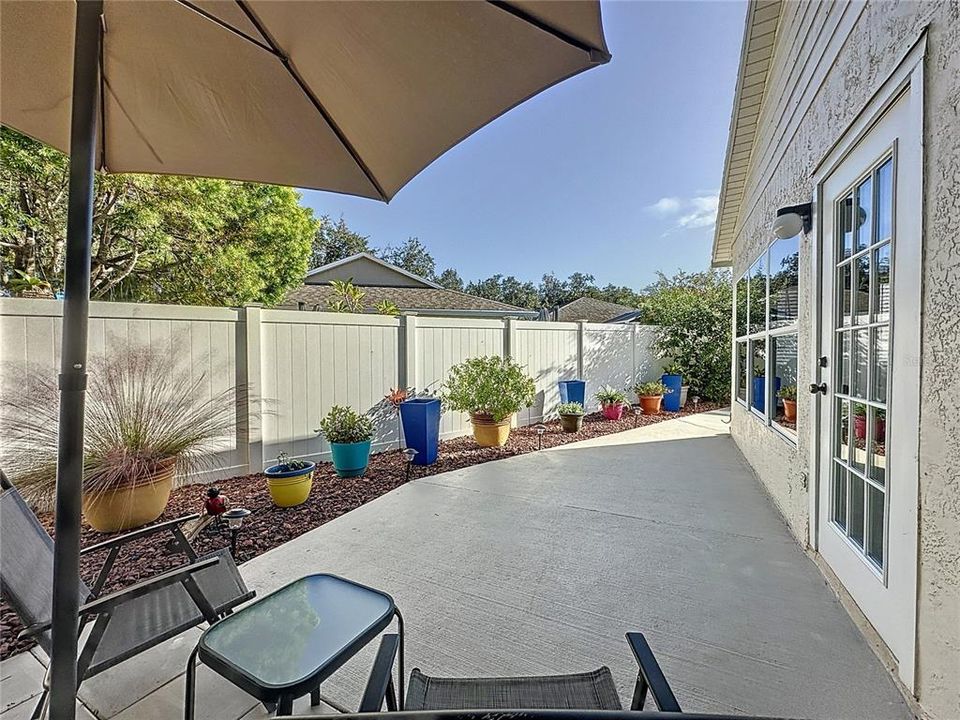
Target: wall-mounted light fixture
793,219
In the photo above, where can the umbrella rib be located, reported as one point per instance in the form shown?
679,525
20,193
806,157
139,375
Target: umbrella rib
596,54
103,104
314,100
227,26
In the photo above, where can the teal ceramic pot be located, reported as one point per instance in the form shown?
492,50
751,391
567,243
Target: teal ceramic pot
350,459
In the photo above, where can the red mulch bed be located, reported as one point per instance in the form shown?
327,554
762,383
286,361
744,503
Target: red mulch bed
331,496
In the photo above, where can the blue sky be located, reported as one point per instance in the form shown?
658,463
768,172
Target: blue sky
613,173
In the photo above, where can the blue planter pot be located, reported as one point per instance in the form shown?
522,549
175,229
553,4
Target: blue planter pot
350,459
760,394
273,472
573,391
420,418
671,401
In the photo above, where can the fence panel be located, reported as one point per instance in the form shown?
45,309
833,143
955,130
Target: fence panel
549,353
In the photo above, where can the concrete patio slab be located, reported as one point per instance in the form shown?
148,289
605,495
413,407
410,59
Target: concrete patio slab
540,564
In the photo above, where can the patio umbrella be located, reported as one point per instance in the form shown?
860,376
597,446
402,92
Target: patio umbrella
352,97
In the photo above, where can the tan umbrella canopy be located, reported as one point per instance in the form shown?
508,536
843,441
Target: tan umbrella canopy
354,97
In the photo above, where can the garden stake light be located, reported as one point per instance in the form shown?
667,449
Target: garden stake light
234,520
541,429
411,454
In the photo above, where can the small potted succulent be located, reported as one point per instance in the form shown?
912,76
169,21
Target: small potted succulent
492,389
571,416
289,481
788,395
349,434
650,396
860,422
611,402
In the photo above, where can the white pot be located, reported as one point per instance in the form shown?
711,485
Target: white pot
683,394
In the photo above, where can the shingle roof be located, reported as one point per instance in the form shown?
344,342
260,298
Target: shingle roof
403,298
591,310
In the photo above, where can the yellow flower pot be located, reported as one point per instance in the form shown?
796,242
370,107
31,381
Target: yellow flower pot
489,433
130,507
290,491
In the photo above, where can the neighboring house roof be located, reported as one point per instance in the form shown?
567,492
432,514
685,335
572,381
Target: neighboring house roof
756,55
366,269
591,310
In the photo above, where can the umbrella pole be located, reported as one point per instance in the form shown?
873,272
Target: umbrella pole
73,361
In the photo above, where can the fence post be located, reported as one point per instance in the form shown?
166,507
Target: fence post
250,402
409,369
509,337
581,332
633,346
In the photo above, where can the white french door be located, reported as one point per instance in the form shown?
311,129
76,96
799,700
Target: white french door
870,257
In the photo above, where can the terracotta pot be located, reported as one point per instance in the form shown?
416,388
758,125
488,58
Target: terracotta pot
571,423
860,427
790,410
613,411
650,404
488,432
130,507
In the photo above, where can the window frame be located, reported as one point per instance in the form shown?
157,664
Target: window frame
766,335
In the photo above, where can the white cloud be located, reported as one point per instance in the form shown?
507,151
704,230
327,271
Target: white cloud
701,212
666,206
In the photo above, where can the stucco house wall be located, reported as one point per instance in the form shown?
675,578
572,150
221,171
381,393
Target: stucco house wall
877,35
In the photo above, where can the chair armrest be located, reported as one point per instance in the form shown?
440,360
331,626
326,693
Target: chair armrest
120,597
380,684
650,676
141,533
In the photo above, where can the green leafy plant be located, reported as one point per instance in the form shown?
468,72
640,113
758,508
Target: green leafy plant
27,284
650,389
608,396
347,297
570,408
345,425
387,307
285,464
673,368
788,393
145,409
860,410
491,385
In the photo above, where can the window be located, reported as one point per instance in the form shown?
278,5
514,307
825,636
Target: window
765,327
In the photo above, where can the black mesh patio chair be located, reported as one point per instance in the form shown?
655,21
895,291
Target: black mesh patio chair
582,691
126,622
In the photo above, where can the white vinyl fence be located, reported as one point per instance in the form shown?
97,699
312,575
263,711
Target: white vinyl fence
297,365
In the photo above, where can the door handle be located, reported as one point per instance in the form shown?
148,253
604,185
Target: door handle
821,388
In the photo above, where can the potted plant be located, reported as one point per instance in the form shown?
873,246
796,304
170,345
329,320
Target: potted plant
349,434
672,379
760,389
148,419
788,395
571,416
491,389
860,422
611,402
420,417
289,481
650,396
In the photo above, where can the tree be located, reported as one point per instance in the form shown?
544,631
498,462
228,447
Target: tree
553,291
155,238
451,280
412,256
335,241
693,312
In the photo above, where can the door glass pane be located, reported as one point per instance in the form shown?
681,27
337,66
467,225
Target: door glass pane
845,296
784,281
741,328
877,421
758,393
881,283
845,227
742,371
839,505
842,430
885,200
881,361
861,266
843,364
783,350
859,362
859,448
758,295
876,501
864,214
856,508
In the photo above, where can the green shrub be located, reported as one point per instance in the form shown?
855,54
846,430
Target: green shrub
490,385
608,396
570,408
649,389
345,425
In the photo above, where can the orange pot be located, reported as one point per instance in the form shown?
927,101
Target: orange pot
650,404
790,410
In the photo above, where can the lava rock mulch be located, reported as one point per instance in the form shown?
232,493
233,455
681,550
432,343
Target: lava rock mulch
331,496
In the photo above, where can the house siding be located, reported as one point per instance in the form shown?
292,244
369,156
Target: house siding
830,58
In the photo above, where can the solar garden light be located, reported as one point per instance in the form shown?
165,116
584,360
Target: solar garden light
541,429
234,520
411,454
696,401
637,411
